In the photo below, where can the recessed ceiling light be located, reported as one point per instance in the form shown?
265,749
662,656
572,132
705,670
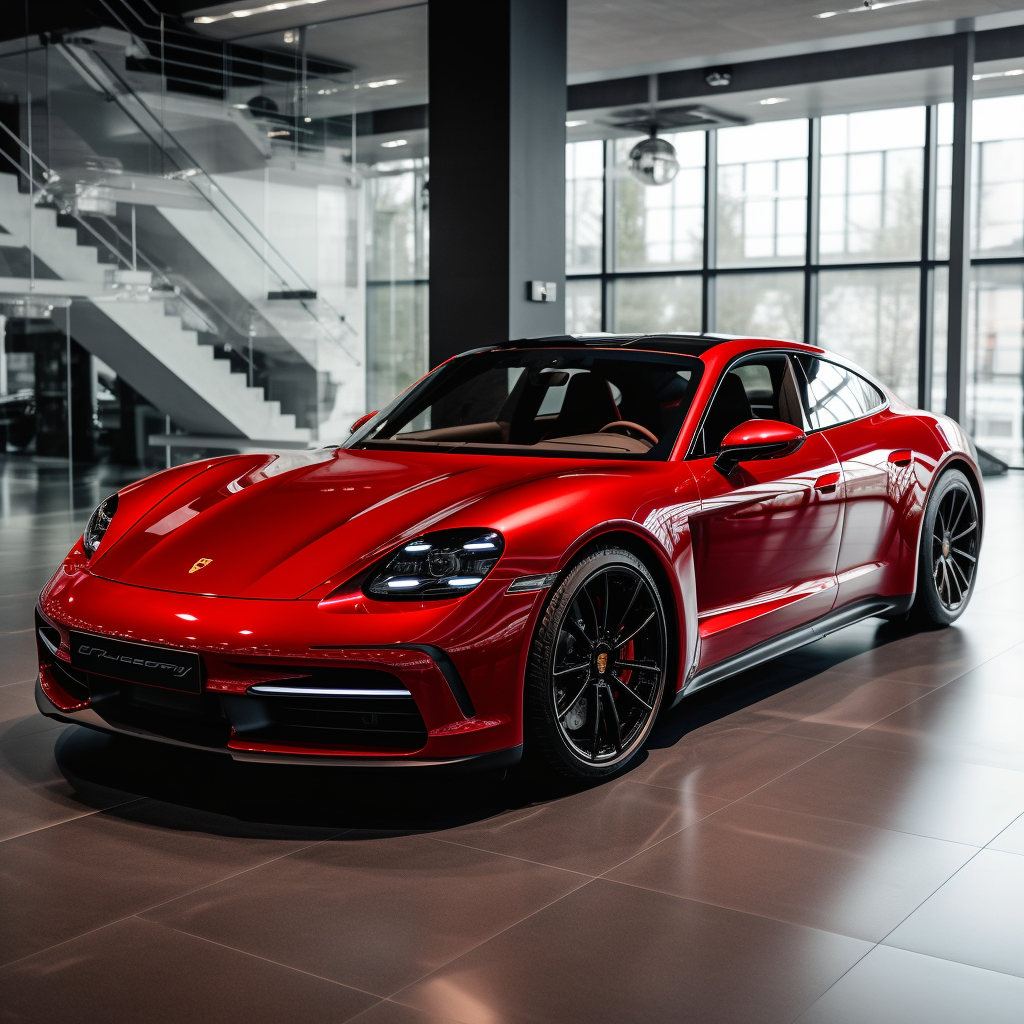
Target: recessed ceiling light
772,100
382,83
868,5
247,12
394,143
999,74
574,124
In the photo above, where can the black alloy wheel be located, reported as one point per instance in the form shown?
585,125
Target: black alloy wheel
597,667
950,544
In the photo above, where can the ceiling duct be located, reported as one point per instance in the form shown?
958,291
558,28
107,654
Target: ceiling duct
670,119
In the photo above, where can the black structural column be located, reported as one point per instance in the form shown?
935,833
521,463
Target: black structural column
497,170
960,226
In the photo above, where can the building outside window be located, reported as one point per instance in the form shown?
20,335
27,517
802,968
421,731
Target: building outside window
857,287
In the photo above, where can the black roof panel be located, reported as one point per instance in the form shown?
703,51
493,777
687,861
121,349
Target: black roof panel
684,342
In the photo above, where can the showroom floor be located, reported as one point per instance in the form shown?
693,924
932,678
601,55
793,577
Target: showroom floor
837,837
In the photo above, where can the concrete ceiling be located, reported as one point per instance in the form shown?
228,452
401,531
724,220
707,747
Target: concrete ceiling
609,38
612,38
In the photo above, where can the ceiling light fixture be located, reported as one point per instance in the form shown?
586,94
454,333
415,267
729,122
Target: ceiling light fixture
574,124
653,161
210,19
868,5
770,101
382,83
999,74
394,143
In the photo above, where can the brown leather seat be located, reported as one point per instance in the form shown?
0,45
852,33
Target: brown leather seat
588,405
729,408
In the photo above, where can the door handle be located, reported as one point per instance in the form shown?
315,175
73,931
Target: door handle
901,457
827,483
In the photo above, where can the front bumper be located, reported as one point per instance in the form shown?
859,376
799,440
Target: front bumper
88,717
456,669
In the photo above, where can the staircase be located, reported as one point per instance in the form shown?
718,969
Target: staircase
148,347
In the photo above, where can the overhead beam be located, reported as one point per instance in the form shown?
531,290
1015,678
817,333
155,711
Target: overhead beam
801,69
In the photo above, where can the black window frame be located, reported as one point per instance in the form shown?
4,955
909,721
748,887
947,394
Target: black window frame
691,452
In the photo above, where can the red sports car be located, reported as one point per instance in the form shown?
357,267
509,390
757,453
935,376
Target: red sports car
530,552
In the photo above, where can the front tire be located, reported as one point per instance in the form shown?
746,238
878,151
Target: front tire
948,558
597,668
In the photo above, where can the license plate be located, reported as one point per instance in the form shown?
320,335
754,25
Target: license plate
137,663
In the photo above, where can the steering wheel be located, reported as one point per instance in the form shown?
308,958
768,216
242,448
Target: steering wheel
630,429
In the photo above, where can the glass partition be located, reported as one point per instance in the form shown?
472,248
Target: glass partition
873,176
584,207
187,228
761,305
583,305
762,193
660,227
871,185
649,304
995,361
871,317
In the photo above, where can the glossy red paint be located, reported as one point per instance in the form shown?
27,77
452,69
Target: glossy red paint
763,432
741,558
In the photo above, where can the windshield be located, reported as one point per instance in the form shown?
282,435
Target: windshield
602,403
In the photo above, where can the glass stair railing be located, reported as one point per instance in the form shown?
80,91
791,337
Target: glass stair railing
210,200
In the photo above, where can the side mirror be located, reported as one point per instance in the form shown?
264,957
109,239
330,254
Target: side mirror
365,418
757,439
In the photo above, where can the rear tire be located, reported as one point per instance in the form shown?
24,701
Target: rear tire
597,668
948,557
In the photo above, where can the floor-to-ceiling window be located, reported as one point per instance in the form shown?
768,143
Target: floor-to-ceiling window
833,230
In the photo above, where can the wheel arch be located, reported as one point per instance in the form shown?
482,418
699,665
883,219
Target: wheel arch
955,461
973,478
666,579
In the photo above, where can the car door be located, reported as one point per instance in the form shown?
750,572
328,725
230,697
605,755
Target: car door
767,536
871,444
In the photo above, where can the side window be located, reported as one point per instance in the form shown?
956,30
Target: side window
835,394
760,387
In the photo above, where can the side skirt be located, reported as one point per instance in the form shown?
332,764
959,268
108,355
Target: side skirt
779,645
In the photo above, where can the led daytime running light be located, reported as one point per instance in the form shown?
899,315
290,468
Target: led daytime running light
445,564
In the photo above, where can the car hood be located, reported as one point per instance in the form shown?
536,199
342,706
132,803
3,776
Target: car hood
279,526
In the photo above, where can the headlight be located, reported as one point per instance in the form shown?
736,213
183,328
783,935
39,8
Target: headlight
97,525
437,565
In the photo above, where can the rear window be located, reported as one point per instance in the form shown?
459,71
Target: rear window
833,394
583,402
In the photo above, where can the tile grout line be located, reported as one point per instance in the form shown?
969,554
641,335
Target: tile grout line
929,956
490,938
254,956
162,903
509,856
788,771
236,874
76,817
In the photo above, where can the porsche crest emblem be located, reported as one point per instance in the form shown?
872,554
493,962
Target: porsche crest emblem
200,563
602,663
